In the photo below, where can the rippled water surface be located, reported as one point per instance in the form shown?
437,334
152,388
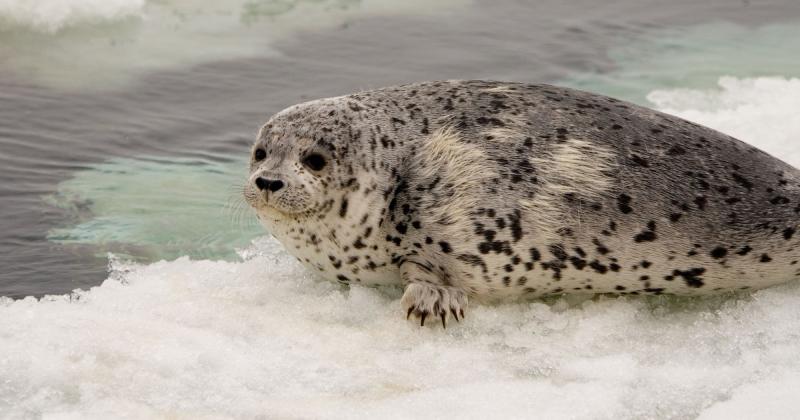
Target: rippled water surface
124,130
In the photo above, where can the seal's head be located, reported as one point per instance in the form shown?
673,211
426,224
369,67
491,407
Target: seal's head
299,164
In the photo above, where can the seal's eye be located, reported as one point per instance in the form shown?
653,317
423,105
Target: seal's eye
315,162
260,154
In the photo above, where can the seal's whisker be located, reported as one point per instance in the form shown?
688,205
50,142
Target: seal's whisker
236,209
238,188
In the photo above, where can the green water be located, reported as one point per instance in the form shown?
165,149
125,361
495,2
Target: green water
157,208
694,58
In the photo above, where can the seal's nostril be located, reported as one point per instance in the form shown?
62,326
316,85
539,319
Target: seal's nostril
262,184
275,185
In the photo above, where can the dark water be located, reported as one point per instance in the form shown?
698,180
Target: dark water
208,110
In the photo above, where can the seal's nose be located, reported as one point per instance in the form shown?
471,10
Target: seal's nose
269,184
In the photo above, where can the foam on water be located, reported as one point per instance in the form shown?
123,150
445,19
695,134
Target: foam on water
214,339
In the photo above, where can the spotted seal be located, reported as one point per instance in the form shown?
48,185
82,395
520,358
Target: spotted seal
488,190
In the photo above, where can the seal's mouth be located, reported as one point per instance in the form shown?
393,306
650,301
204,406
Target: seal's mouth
257,200
254,198
263,204
272,195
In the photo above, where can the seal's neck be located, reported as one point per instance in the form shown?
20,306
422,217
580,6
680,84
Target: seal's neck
345,243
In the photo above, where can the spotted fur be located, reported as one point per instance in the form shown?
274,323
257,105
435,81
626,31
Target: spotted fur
495,190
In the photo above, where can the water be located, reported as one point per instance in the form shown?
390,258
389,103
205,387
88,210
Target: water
125,126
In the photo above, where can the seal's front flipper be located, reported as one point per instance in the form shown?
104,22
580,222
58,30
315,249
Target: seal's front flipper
425,295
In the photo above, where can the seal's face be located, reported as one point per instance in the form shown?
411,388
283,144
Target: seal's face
286,175
291,166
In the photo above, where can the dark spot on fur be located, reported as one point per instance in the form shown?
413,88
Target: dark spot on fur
788,233
578,263
624,201
640,161
742,181
601,248
473,260
558,252
598,267
516,226
486,121
691,276
719,252
645,236
401,228
701,202
676,150
779,200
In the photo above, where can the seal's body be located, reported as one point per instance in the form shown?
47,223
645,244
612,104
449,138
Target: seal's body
493,190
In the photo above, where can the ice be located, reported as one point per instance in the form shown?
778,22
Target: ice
763,111
120,40
262,337
50,16
775,398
